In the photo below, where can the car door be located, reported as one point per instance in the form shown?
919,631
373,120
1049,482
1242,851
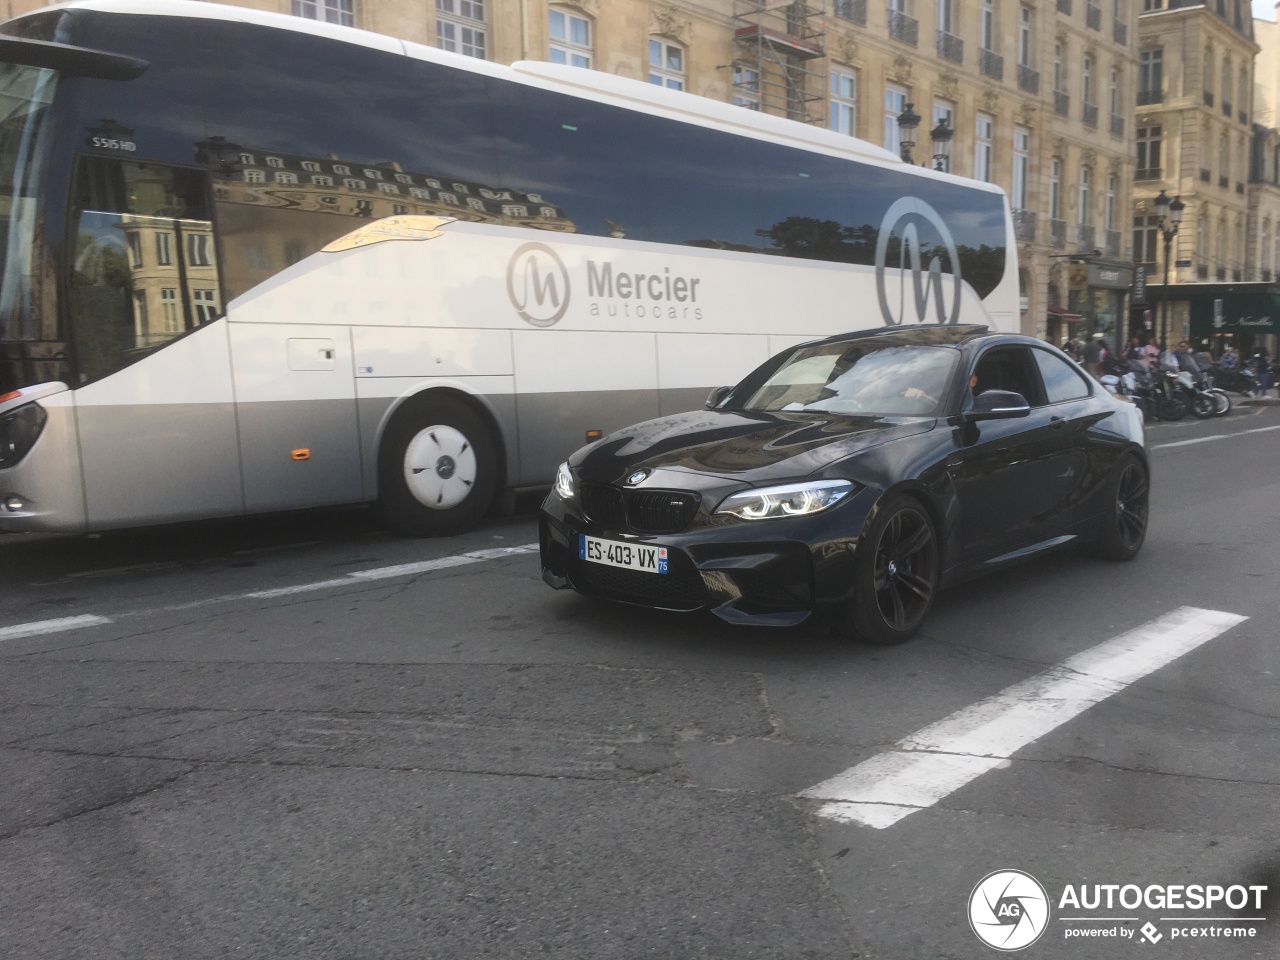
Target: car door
1012,477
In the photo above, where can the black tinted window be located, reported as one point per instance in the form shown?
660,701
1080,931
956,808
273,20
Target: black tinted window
582,160
805,206
1062,381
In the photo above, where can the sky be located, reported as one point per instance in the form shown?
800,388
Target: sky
1265,9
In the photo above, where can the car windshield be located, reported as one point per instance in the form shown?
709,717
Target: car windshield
858,379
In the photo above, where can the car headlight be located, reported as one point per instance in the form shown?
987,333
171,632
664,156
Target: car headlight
793,500
564,482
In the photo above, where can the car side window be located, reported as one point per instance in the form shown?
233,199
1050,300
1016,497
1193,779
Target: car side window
1008,368
1061,380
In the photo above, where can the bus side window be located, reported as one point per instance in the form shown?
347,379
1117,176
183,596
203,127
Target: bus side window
144,269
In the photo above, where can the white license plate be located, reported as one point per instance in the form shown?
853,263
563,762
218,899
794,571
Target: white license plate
629,556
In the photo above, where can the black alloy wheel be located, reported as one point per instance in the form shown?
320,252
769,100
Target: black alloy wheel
895,574
1124,525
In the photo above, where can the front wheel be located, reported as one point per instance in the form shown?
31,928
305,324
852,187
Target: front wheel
1124,520
437,469
1222,402
1203,405
895,574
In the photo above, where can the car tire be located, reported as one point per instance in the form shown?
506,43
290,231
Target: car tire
895,574
437,469
1124,521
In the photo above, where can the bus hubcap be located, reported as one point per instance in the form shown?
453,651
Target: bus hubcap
440,467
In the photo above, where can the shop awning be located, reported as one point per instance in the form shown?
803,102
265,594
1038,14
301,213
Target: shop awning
1065,316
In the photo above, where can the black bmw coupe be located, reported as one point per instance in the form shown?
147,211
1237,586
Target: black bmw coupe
853,477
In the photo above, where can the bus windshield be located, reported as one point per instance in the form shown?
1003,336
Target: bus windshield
25,94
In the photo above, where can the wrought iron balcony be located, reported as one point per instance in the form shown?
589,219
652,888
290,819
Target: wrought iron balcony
1086,238
904,28
991,64
1090,115
1202,271
1061,104
1148,97
1205,175
1120,30
1024,224
1058,233
1226,108
1064,6
855,10
1148,173
1224,182
1092,17
1240,188
1112,247
950,47
1208,98
1028,79
1117,126
1236,275
1244,117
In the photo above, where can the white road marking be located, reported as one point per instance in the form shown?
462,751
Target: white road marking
39,627
939,759
399,570
1216,436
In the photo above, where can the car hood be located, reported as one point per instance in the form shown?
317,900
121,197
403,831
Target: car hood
750,448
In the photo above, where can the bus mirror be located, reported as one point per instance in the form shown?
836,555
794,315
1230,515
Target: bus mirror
65,58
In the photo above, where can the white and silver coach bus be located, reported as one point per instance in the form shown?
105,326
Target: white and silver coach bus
253,262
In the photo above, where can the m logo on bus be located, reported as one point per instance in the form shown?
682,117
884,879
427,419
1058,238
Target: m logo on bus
538,284
910,252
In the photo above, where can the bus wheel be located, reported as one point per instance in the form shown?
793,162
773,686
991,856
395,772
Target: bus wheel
436,469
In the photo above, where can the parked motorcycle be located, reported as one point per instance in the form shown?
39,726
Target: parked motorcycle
1234,379
1202,397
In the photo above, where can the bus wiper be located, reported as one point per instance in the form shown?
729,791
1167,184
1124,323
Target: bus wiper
65,58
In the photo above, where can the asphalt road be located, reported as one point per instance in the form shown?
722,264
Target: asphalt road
305,737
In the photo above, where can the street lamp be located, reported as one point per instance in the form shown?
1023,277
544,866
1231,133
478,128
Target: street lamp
941,137
1170,214
908,121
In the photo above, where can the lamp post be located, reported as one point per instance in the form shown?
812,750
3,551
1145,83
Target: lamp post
941,137
1170,214
908,122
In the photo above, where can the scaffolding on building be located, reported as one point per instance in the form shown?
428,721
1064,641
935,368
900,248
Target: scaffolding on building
780,59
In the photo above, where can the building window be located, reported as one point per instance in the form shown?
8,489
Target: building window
1086,81
570,38
1150,74
1243,105
320,180
388,188
206,305
404,178
1026,17
666,64
1148,153
330,11
286,176
895,101
169,309
746,87
1110,216
1021,167
460,27
275,162
985,131
164,248
1208,74
1146,234
352,183
1085,213
1055,189
1059,67
254,176
1114,97
342,169
135,250
843,112
987,25
198,249
310,166
247,159
946,16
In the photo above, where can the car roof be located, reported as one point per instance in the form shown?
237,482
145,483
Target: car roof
918,334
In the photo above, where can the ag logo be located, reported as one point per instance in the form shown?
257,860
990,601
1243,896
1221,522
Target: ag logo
1008,910
538,284
909,287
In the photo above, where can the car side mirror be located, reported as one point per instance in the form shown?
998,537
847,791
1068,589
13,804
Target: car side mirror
998,405
717,395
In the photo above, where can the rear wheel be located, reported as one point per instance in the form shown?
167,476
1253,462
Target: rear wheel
1124,521
437,469
895,574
